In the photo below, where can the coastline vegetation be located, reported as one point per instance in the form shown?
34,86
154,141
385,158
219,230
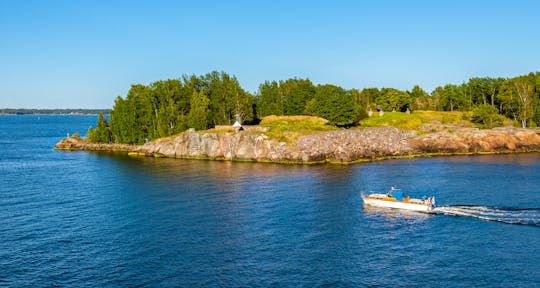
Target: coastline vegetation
169,107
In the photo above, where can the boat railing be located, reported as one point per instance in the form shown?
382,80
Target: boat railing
391,191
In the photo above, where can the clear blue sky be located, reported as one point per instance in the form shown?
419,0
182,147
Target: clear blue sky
82,54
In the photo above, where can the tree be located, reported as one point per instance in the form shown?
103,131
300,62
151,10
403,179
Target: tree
453,98
391,99
337,106
269,101
524,89
487,116
436,97
367,97
518,99
483,90
296,93
227,98
168,103
102,133
419,98
535,77
199,117
121,122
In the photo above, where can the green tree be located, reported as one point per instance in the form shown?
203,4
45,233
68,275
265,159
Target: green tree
487,116
391,99
524,89
368,97
535,78
270,101
102,133
484,90
518,99
296,93
453,98
419,98
227,98
141,102
167,105
337,106
199,117
120,121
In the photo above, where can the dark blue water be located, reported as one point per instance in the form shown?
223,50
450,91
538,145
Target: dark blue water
83,219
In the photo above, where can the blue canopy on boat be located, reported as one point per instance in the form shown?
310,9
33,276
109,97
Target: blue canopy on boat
398,195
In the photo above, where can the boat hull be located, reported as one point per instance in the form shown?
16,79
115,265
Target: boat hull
396,205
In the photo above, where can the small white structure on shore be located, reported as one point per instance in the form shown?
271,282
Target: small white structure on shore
370,112
381,112
237,126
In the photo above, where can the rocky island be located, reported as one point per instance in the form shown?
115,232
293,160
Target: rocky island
296,121
336,146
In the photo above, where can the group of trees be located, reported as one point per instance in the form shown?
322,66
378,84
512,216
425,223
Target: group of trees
516,98
490,99
168,107
302,97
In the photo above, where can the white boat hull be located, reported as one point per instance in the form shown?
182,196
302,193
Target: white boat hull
396,205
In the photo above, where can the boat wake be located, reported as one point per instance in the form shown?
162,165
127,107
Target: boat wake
521,216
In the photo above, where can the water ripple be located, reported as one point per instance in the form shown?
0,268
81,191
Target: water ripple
104,220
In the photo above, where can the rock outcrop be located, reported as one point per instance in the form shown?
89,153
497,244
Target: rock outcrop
77,143
470,140
352,145
341,146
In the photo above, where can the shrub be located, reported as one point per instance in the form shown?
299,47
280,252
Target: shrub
487,116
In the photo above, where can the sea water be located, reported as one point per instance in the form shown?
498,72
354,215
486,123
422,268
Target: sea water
84,219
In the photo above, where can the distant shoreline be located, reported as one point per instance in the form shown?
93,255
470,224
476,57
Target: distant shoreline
25,111
48,114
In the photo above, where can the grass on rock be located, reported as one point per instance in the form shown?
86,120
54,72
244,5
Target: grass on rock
289,128
416,119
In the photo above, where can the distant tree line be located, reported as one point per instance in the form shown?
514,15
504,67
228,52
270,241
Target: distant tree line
25,111
168,107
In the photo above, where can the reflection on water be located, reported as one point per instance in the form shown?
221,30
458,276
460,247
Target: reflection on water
396,214
523,159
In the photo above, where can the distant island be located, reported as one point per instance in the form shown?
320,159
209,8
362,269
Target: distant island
22,111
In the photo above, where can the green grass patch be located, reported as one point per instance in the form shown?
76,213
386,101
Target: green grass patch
416,119
289,128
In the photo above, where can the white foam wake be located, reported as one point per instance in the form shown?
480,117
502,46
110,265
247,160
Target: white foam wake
523,216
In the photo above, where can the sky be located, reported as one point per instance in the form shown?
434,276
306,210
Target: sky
85,53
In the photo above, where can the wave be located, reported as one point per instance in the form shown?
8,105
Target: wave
521,216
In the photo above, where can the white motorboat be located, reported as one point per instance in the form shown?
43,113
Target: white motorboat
395,198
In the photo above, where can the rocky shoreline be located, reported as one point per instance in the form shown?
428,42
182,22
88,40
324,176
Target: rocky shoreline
339,146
